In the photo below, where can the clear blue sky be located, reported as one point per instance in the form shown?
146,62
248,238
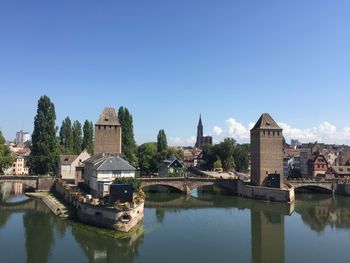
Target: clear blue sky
167,61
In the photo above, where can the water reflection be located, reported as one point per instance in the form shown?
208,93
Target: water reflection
39,238
100,248
10,190
267,231
263,226
320,211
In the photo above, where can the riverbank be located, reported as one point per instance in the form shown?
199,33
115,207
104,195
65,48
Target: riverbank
53,203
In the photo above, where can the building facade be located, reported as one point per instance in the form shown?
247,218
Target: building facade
108,133
171,168
67,165
266,150
319,165
20,167
22,137
102,169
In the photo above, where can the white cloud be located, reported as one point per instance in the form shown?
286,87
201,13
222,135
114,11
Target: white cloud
325,132
236,129
307,135
191,140
176,141
217,130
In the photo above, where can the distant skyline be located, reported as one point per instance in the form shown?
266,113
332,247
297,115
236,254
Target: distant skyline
168,61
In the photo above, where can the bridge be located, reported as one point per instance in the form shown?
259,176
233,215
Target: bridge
315,185
187,184
40,183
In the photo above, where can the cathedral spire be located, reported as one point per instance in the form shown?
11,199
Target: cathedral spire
200,120
199,142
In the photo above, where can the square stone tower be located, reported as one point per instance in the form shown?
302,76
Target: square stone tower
266,150
108,133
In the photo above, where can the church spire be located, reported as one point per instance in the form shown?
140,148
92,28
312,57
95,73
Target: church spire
199,142
200,120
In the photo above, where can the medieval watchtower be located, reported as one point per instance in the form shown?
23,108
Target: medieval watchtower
266,150
108,133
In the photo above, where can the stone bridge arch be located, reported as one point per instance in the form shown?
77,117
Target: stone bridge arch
186,185
176,187
317,186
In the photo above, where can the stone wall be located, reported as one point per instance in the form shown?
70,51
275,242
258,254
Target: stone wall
108,139
265,193
266,154
342,189
45,183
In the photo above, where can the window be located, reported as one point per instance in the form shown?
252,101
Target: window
318,166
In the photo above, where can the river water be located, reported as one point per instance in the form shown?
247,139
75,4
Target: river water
204,227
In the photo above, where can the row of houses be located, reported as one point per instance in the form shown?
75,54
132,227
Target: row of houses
314,159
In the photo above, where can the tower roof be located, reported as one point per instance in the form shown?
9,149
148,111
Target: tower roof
266,122
200,120
108,117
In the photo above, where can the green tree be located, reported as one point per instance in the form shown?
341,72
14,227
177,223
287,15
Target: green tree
88,137
44,151
162,143
77,137
129,147
66,136
147,156
176,153
162,147
218,164
225,151
241,157
6,159
208,156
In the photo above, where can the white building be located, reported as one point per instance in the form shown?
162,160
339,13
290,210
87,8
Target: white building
102,169
22,137
67,165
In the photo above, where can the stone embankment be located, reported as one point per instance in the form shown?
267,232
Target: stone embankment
57,207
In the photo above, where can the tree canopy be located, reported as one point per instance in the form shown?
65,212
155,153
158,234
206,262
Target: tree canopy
88,137
147,156
162,143
66,136
44,151
6,159
129,147
77,137
241,157
230,154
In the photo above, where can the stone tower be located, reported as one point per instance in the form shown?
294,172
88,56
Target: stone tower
108,133
199,142
266,150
